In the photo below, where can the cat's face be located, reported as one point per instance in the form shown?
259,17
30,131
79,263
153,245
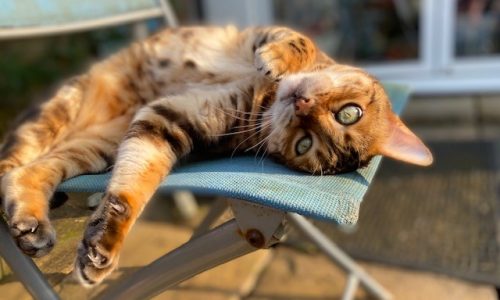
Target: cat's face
335,120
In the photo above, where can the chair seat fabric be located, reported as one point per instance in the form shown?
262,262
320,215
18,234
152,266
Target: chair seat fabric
334,198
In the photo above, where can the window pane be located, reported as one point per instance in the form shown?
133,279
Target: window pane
477,31
356,30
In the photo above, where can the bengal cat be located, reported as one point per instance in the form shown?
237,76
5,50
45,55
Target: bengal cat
217,89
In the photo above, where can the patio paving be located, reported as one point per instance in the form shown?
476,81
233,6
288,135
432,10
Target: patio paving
283,272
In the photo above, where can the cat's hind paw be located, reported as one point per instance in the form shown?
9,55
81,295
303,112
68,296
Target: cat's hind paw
34,237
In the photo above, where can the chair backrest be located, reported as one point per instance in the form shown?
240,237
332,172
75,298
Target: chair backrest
27,18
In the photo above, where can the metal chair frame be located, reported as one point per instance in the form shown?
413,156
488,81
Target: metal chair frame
163,9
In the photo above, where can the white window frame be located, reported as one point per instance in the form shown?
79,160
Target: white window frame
436,71
445,73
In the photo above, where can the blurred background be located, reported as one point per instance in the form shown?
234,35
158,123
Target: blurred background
424,233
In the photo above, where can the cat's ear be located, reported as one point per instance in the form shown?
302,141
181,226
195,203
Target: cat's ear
404,145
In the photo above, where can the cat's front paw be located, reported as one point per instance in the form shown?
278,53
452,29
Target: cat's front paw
270,61
98,252
34,237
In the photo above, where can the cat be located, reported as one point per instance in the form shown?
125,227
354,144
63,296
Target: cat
218,89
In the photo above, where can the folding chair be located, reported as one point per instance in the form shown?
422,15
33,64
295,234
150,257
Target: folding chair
264,196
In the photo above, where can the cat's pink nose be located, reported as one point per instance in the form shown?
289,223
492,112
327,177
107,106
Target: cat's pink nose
303,106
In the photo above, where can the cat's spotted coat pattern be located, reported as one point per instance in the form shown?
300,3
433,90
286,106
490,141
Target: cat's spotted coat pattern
209,88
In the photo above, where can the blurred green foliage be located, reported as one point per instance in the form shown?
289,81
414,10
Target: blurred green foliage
30,69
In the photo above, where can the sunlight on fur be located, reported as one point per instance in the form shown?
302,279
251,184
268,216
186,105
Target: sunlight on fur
269,91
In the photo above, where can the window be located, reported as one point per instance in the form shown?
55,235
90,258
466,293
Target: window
436,46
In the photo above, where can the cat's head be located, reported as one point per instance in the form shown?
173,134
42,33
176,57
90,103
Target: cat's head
335,120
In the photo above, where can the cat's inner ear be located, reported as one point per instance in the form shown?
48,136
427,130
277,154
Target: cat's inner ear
404,145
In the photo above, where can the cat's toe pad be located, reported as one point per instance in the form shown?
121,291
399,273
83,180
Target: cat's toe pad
34,237
269,61
93,263
98,257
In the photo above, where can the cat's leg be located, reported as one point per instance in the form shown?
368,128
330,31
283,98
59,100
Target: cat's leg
159,135
28,188
42,128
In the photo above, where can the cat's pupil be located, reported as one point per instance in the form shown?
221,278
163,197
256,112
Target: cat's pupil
303,145
349,114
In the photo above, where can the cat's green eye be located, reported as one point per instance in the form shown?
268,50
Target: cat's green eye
349,114
303,145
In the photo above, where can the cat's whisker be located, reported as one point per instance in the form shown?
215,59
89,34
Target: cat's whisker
263,107
250,125
320,168
227,113
246,112
262,143
264,154
314,170
257,144
255,127
249,137
234,133
231,115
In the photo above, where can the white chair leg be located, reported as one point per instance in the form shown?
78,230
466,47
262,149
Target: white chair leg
351,287
338,256
186,204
